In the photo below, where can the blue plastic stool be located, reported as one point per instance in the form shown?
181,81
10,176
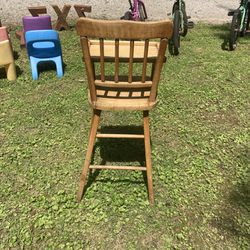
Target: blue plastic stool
42,46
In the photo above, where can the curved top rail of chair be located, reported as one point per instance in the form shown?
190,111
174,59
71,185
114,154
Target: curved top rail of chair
111,28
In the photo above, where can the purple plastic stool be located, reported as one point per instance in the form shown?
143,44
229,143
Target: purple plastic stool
37,23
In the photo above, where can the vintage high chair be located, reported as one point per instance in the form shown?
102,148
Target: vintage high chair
127,42
6,55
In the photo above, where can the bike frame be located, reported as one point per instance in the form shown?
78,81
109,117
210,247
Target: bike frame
135,9
243,10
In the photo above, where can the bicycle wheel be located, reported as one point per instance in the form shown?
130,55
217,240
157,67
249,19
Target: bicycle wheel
248,16
183,29
142,15
234,33
185,22
176,31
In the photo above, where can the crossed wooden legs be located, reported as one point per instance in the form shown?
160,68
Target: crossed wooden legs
93,134
81,9
62,15
36,11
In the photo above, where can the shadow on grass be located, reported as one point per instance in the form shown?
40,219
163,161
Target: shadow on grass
16,55
119,151
48,66
171,47
3,72
222,32
234,217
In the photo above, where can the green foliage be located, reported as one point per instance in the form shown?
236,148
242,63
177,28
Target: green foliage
200,143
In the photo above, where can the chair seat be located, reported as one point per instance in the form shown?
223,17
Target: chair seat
111,100
124,51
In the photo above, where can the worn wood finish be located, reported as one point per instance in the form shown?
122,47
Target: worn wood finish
114,92
62,15
126,29
157,68
92,135
148,156
117,167
90,69
112,84
116,60
124,51
127,136
131,57
145,60
81,9
20,36
38,10
102,60
119,104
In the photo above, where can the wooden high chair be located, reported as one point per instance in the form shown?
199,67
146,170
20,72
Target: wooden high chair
128,43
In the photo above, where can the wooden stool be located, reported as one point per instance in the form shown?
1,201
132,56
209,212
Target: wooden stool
81,9
36,11
62,15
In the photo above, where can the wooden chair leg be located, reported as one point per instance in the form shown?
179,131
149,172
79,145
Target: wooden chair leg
148,156
92,136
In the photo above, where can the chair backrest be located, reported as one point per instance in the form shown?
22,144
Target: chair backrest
3,34
37,23
43,43
133,34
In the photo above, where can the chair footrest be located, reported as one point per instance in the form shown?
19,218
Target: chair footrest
128,136
117,167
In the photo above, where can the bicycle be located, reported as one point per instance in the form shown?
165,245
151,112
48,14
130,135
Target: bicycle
137,11
240,22
181,23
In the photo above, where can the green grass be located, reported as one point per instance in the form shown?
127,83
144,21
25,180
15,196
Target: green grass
200,143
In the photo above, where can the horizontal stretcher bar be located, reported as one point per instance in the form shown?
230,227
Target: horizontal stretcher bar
117,167
128,136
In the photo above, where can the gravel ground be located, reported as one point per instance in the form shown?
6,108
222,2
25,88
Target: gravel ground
213,11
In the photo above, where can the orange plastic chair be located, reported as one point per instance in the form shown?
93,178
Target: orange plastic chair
128,42
6,55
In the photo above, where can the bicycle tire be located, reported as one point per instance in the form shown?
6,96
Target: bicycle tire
246,22
176,32
183,32
185,23
248,17
234,32
142,15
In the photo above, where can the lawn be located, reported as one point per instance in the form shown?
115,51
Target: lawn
200,151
